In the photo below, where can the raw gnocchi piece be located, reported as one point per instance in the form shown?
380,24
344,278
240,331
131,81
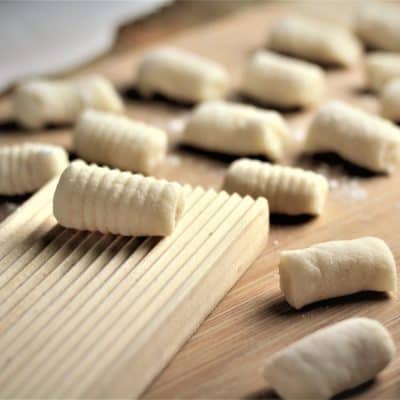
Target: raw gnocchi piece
315,41
331,360
364,139
119,142
27,167
378,26
390,100
282,81
236,129
181,75
380,68
93,198
41,102
288,190
336,268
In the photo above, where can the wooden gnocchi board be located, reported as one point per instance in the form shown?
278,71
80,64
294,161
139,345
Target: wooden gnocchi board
224,358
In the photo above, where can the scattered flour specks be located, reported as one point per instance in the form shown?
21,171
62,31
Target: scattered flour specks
173,160
175,126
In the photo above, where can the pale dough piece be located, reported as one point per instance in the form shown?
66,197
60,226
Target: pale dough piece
336,268
288,190
236,129
27,167
390,100
41,102
315,41
181,75
331,360
282,81
380,68
119,142
364,139
95,198
378,26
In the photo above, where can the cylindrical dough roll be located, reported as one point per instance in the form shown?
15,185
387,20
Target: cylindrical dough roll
331,360
119,142
380,68
336,268
282,81
315,41
378,25
236,129
27,167
390,100
181,75
288,190
95,198
364,139
41,102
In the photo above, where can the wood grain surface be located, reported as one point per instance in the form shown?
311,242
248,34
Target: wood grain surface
224,358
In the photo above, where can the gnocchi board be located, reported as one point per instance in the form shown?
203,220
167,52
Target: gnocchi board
224,358
84,312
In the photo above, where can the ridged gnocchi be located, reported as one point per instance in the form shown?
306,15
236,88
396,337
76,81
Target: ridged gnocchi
281,81
316,41
366,140
181,75
93,198
336,268
331,360
27,167
288,190
236,129
41,102
119,142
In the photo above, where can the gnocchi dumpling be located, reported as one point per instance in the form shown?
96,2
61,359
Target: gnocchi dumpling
380,68
41,102
364,139
378,25
93,198
288,190
27,167
119,142
281,81
181,75
331,360
236,129
316,41
336,268
390,100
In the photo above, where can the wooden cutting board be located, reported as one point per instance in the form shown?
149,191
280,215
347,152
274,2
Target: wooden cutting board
224,358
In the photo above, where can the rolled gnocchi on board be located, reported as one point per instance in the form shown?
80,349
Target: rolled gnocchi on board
281,81
331,360
288,190
93,198
41,102
27,167
380,68
236,129
181,75
390,100
378,25
336,268
119,142
315,41
364,139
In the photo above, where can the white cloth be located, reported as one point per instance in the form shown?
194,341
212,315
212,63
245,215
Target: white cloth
44,37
